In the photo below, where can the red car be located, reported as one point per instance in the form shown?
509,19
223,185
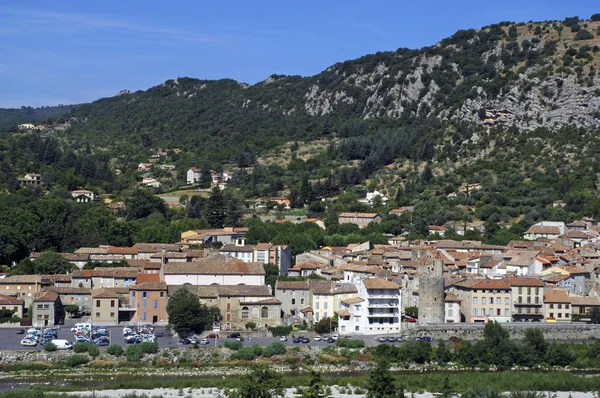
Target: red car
212,336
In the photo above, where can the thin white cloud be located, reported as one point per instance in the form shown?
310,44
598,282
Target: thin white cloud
63,21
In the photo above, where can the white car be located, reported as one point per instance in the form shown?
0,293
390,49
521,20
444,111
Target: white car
204,341
283,338
28,342
318,338
335,336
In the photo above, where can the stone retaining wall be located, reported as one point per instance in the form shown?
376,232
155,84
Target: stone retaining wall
471,331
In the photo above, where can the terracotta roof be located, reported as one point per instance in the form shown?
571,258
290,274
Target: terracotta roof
487,284
144,278
92,250
585,301
156,247
543,230
353,300
24,279
342,312
219,266
452,298
529,282
320,287
122,250
10,300
105,292
378,283
149,286
237,248
307,265
359,215
345,288
291,285
46,296
556,296
263,246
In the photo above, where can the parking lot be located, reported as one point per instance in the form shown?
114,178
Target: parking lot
10,340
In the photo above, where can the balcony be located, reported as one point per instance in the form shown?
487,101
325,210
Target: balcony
391,295
384,315
394,304
516,303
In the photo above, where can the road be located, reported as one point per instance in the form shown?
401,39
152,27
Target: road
10,340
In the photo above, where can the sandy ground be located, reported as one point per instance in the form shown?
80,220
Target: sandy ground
291,393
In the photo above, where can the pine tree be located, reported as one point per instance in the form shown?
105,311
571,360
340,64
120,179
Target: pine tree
214,211
381,382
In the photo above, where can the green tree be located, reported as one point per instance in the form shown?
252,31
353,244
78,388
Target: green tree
52,263
325,325
496,343
381,383
443,352
214,211
142,203
258,382
271,275
187,314
594,314
446,388
315,387
534,338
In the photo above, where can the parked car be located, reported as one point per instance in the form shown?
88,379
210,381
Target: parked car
297,340
318,338
330,339
46,339
452,339
184,341
233,335
134,339
213,336
204,341
28,342
21,331
335,336
381,339
390,339
426,338
400,339
159,334
102,341
83,339
283,338
304,340
193,340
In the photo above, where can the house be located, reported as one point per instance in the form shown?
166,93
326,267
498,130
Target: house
293,295
557,305
220,270
371,198
194,175
149,300
47,310
436,229
144,167
240,304
280,200
397,212
24,286
105,305
305,268
80,296
12,304
379,312
360,219
207,237
30,179
119,277
150,182
147,250
322,299
581,305
485,300
26,126
82,195
545,230
572,278
527,296
452,309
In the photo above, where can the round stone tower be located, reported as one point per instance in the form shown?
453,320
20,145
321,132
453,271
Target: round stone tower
431,294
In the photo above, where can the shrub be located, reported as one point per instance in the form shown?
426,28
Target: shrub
273,349
50,347
584,35
595,17
80,348
350,343
93,350
233,344
247,353
134,353
114,349
76,360
149,347
278,331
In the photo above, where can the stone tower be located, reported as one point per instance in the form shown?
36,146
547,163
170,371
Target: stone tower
431,294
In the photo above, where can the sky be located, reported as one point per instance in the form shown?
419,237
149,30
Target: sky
68,52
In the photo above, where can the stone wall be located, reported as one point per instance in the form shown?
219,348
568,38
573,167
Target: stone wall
469,331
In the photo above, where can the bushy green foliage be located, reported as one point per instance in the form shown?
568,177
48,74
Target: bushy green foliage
259,381
584,35
114,349
134,353
187,314
278,331
248,353
149,347
350,343
233,345
76,360
80,347
276,348
50,346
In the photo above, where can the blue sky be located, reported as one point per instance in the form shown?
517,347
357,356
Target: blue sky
64,52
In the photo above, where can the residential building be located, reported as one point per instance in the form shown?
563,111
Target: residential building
545,230
294,296
30,179
378,313
14,304
485,300
527,299
80,296
47,310
105,306
149,300
24,286
207,237
220,270
82,195
194,175
322,299
360,219
452,309
557,305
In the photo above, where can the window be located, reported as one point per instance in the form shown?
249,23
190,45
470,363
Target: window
483,311
483,301
357,308
112,303
97,303
293,301
40,306
491,300
551,305
301,301
143,316
529,290
357,328
144,294
520,290
317,305
133,293
567,315
552,315
520,300
566,306
245,312
560,314
325,305
264,312
112,314
474,300
97,315
162,294
506,301
325,314
560,306
450,312
506,313
156,303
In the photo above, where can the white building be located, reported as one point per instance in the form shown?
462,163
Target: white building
220,270
377,310
194,175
